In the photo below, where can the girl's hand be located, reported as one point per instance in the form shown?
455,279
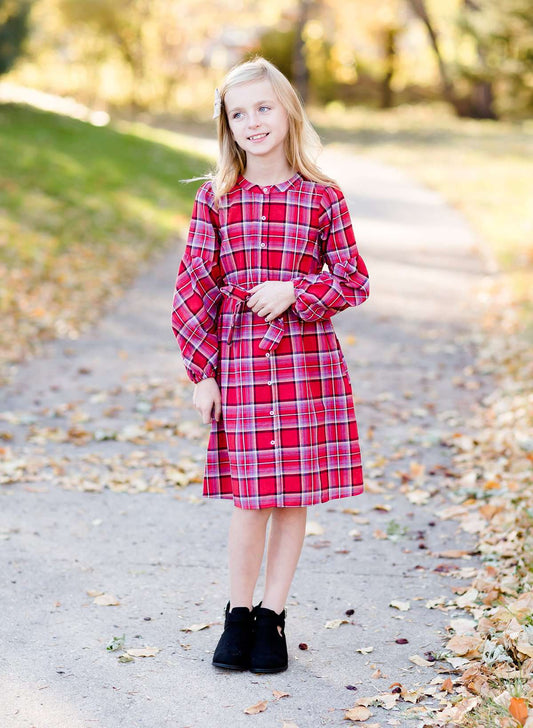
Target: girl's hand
206,396
271,298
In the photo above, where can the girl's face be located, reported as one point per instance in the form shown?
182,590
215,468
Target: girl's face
257,120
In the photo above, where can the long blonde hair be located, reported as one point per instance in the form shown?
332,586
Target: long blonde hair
300,142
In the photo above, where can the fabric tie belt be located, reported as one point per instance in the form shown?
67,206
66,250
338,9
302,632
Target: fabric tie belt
276,327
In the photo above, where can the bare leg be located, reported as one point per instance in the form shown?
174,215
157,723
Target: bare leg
246,548
287,532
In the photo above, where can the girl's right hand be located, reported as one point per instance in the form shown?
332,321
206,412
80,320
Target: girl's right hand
206,396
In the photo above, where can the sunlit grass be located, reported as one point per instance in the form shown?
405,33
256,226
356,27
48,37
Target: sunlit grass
81,208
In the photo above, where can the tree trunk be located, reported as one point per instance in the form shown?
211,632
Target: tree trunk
419,8
389,46
299,64
482,95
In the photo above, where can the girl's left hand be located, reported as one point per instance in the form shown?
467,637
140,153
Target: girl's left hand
271,298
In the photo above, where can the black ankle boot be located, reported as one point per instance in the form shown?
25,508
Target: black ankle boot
233,649
269,647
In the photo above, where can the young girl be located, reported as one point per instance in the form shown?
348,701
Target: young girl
251,315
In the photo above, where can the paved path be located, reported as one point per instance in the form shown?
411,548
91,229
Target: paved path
103,432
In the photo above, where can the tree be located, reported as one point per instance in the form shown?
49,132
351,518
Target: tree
13,31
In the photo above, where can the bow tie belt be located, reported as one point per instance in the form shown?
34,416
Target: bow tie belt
276,327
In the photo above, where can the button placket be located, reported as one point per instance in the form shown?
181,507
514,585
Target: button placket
274,410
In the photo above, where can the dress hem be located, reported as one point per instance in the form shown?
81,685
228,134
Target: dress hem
271,502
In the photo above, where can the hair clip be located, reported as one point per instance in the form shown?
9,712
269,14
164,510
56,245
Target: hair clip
218,104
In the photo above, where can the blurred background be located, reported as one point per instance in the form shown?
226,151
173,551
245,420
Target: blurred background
102,104
166,55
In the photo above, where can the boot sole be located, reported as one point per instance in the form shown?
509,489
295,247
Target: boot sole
268,669
229,667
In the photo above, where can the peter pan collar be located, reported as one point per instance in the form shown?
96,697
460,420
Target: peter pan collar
281,186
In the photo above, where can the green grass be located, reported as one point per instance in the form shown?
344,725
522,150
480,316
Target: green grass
81,207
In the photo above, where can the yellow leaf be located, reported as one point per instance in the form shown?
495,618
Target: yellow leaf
279,694
257,708
420,661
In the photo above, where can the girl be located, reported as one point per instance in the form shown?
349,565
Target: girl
251,314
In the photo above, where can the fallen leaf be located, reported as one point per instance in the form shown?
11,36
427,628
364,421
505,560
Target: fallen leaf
386,700
195,628
378,533
312,528
402,606
420,661
382,507
106,600
335,623
289,724
365,650
359,713
518,709
143,652
257,708
451,554
279,694
447,685
418,496
463,644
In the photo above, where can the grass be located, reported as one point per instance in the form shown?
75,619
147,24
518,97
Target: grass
81,208
483,168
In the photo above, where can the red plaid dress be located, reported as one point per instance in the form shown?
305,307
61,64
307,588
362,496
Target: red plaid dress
288,434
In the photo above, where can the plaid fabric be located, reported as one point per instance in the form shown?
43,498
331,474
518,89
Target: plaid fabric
288,434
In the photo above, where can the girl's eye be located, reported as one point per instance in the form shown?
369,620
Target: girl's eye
264,107
236,114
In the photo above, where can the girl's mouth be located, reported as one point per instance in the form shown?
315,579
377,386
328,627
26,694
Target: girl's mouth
258,137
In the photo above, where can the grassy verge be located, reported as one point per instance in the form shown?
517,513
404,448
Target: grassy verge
81,207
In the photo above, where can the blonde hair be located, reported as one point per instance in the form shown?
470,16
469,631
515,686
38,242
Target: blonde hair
301,137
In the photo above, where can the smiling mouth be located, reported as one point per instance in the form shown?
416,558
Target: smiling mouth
255,137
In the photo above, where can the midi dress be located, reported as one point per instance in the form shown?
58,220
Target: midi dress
287,435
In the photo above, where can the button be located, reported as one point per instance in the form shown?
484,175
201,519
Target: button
269,382
271,412
263,245
267,354
266,190
272,442
263,217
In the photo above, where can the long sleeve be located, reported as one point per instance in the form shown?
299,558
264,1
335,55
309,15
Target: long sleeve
197,292
321,295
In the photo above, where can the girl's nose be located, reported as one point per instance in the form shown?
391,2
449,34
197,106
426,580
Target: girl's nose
253,120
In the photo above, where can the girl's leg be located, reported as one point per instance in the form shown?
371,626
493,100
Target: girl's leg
246,547
287,532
